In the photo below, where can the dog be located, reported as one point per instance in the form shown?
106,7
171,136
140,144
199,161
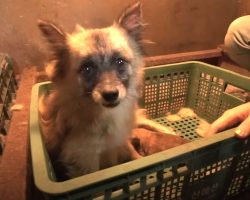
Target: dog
90,112
147,142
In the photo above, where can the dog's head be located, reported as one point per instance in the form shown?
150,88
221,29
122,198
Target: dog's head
104,64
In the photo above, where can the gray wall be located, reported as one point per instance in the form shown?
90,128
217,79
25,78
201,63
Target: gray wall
174,25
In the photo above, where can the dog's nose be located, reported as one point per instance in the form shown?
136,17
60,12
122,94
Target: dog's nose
110,96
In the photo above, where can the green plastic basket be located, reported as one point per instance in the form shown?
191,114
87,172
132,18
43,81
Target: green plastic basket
213,168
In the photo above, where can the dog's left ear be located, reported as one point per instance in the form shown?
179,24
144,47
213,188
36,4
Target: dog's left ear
57,41
55,36
131,21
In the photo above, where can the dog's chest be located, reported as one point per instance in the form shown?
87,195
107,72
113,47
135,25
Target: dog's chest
110,127
87,141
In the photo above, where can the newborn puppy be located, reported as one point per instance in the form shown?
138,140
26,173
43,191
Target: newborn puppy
148,142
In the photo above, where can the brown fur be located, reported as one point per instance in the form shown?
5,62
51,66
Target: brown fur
148,142
82,135
89,115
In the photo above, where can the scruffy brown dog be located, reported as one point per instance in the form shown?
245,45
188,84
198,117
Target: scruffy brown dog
89,114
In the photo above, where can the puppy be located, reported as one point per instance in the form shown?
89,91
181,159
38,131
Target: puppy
147,142
88,115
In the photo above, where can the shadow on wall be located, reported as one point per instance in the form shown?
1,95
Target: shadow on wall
173,25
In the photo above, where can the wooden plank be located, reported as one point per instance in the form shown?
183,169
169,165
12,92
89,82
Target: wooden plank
181,57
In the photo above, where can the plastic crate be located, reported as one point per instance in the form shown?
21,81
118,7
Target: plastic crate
213,168
8,86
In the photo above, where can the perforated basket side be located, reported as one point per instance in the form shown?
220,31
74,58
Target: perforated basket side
193,84
165,89
213,168
209,96
8,86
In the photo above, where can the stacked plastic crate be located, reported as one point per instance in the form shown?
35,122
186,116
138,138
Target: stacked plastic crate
8,86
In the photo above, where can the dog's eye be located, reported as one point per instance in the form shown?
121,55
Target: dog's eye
121,65
120,61
87,68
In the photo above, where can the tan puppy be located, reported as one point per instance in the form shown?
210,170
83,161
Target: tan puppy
147,142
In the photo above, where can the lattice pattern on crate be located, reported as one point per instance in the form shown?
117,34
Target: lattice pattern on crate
150,93
163,108
242,180
166,91
202,173
145,195
214,100
177,103
173,184
223,107
147,187
244,161
8,86
247,183
185,127
208,97
180,87
172,189
235,185
144,182
5,119
203,90
151,109
205,192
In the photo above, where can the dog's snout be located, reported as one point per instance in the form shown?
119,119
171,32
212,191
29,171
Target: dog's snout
110,96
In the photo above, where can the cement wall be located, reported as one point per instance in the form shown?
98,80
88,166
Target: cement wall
174,25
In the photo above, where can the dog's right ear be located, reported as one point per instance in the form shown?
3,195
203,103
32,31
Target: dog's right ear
57,41
131,21
55,36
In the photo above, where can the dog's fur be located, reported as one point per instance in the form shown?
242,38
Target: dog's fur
147,142
89,114
87,117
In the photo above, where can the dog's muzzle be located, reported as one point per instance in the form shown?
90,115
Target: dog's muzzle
109,94
110,98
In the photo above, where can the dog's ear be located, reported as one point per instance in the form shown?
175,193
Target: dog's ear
131,21
57,40
55,36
